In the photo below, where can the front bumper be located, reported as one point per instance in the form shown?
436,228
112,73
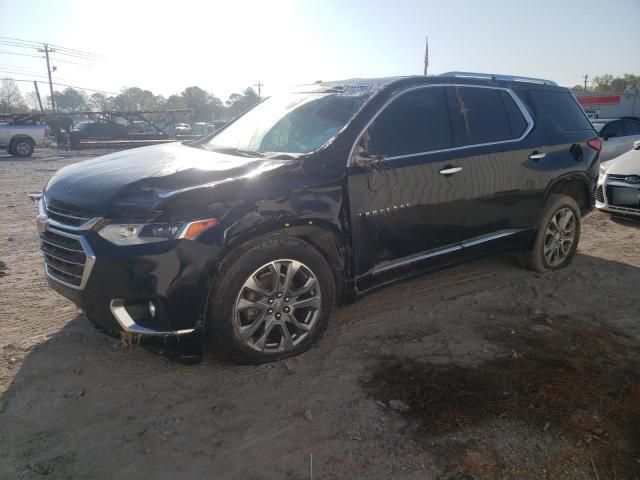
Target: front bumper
116,284
606,202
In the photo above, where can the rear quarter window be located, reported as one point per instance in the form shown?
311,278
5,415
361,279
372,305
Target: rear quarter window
559,108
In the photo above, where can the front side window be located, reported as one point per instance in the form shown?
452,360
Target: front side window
293,123
414,122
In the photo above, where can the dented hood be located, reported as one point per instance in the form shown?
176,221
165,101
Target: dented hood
138,179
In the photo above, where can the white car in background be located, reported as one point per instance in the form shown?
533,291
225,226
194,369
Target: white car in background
618,189
618,136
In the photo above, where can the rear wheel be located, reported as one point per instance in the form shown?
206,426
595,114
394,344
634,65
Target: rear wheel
557,237
272,301
22,147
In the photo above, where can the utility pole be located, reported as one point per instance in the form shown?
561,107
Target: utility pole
35,84
259,85
585,82
46,51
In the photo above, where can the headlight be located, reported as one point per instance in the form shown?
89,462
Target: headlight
139,233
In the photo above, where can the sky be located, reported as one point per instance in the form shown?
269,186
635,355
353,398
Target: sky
226,46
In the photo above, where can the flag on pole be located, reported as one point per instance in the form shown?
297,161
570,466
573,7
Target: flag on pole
426,57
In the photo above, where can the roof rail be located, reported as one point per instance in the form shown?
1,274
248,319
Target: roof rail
495,76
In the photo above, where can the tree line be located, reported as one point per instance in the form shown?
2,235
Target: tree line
608,83
205,105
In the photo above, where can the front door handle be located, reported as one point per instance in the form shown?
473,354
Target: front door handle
450,170
537,155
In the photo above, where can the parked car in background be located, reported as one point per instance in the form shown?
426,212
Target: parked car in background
618,188
202,128
21,140
86,130
183,129
308,200
618,136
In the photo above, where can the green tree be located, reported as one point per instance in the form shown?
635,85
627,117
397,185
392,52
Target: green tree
240,103
608,83
99,102
135,99
70,100
205,106
175,102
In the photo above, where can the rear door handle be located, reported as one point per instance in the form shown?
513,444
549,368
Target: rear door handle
450,170
537,155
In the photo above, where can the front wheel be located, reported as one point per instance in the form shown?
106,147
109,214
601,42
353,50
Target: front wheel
557,237
272,300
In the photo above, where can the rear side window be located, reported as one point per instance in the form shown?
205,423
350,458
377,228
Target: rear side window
632,128
415,122
478,115
560,108
612,130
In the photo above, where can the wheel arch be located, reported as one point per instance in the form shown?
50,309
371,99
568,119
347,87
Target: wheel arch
324,237
22,136
575,185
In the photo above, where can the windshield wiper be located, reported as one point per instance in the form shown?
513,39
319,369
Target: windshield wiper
237,151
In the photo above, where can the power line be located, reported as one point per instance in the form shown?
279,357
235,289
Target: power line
20,54
32,74
33,44
61,85
72,55
85,88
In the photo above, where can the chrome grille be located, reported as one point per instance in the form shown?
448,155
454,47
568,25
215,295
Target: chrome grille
67,217
65,257
599,194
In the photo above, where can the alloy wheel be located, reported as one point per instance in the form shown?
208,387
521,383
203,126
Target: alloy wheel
23,148
559,236
277,307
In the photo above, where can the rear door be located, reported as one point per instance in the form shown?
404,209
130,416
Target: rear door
406,186
502,175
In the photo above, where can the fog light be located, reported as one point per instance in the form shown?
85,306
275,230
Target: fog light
152,309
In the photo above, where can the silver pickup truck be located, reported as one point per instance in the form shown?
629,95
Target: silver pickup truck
21,140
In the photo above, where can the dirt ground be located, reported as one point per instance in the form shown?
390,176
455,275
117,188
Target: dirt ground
485,370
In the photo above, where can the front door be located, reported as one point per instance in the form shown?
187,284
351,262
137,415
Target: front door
406,186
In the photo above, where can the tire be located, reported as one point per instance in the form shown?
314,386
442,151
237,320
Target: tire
557,238
246,334
22,147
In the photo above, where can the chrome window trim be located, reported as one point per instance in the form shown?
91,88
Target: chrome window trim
443,251
521,106
88,266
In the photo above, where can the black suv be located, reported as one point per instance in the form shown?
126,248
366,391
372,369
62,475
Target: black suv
253,234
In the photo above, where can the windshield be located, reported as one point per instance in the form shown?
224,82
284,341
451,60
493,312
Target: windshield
598,125
292,123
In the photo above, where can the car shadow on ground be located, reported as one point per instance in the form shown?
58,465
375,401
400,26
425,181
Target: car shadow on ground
414,377
627,221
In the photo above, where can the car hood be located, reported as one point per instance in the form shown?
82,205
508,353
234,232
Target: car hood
626,164
140,179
